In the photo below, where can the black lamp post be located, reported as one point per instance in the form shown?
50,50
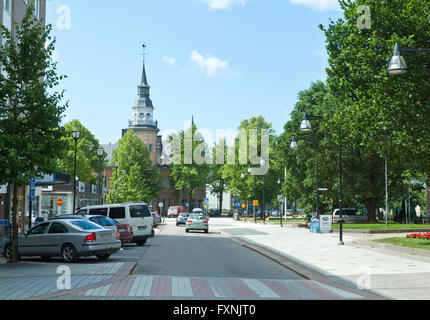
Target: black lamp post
76,134
255,195
280,203
116,168
100,154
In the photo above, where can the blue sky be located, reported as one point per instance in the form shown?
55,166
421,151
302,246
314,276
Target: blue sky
220,60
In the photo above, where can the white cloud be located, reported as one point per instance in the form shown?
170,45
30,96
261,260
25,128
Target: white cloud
318,4
210,65
169,60
223,4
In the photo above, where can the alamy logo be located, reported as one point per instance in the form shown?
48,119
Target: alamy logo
64,281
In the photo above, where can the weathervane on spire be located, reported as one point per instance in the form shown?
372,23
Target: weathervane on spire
144,54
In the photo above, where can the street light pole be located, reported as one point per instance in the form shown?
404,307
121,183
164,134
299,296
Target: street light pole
100,154
340,188
76,134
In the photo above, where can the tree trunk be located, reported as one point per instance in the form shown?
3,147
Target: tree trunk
221,194
371,206
14,226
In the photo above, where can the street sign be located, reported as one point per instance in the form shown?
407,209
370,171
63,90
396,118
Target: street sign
4,223
160,205
32,189
238,204
243,205
59,202
255,203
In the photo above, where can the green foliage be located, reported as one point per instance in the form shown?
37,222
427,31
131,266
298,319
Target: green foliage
142,180
191,161
30,112
87,160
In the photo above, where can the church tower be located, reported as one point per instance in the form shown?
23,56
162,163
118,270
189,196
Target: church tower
143,123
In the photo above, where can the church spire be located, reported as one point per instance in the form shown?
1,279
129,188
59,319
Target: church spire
144,80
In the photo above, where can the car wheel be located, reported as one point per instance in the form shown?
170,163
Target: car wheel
186,230
69,253
141,243
7,252
177,224
103,256
207,230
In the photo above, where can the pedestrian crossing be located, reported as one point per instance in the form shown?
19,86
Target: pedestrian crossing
147,286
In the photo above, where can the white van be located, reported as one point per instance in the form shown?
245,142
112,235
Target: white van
136,214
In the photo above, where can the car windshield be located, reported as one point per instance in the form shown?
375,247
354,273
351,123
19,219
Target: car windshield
85,225
103,221
197,217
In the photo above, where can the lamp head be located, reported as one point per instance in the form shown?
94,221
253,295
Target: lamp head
76,134
305,125
100,152
397,64
293,144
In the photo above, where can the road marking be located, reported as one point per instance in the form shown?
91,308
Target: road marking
181,287
260,288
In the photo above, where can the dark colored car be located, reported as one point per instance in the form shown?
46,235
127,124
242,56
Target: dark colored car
182,218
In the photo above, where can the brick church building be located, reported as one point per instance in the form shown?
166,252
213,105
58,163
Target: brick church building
144,126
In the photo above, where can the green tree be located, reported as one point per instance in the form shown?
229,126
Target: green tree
191,160
87,159
377,112
142,180
30,112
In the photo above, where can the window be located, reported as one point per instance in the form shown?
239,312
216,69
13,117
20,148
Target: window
138,211
57,227
37,8
150,148
86,225
6,5
148,116
40,229
104,222
117,213
99,211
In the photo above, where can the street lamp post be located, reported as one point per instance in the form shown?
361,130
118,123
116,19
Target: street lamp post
280,202
255,195
100,154
76,134
116,168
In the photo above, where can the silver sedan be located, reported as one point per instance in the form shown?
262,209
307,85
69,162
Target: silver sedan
197,222
67,238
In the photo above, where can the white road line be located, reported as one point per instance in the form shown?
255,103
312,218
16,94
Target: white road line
260,288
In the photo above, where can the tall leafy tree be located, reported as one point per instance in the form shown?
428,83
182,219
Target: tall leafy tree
142,180
191,160
30,108
381,116
87,159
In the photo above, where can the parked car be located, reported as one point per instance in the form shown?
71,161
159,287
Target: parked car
197,222
125,231
135,214
215,213
182,218
67,238
154,220
158,218
350,215
173,212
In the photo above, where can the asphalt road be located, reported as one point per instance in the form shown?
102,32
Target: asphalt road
196,254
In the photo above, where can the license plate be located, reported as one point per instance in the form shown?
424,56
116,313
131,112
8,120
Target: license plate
142,228
121,230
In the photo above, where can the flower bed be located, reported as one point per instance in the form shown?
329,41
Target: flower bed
419,236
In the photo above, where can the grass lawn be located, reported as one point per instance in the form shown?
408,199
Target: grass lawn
405,242
379,226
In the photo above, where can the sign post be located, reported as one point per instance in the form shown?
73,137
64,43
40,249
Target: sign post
31,199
